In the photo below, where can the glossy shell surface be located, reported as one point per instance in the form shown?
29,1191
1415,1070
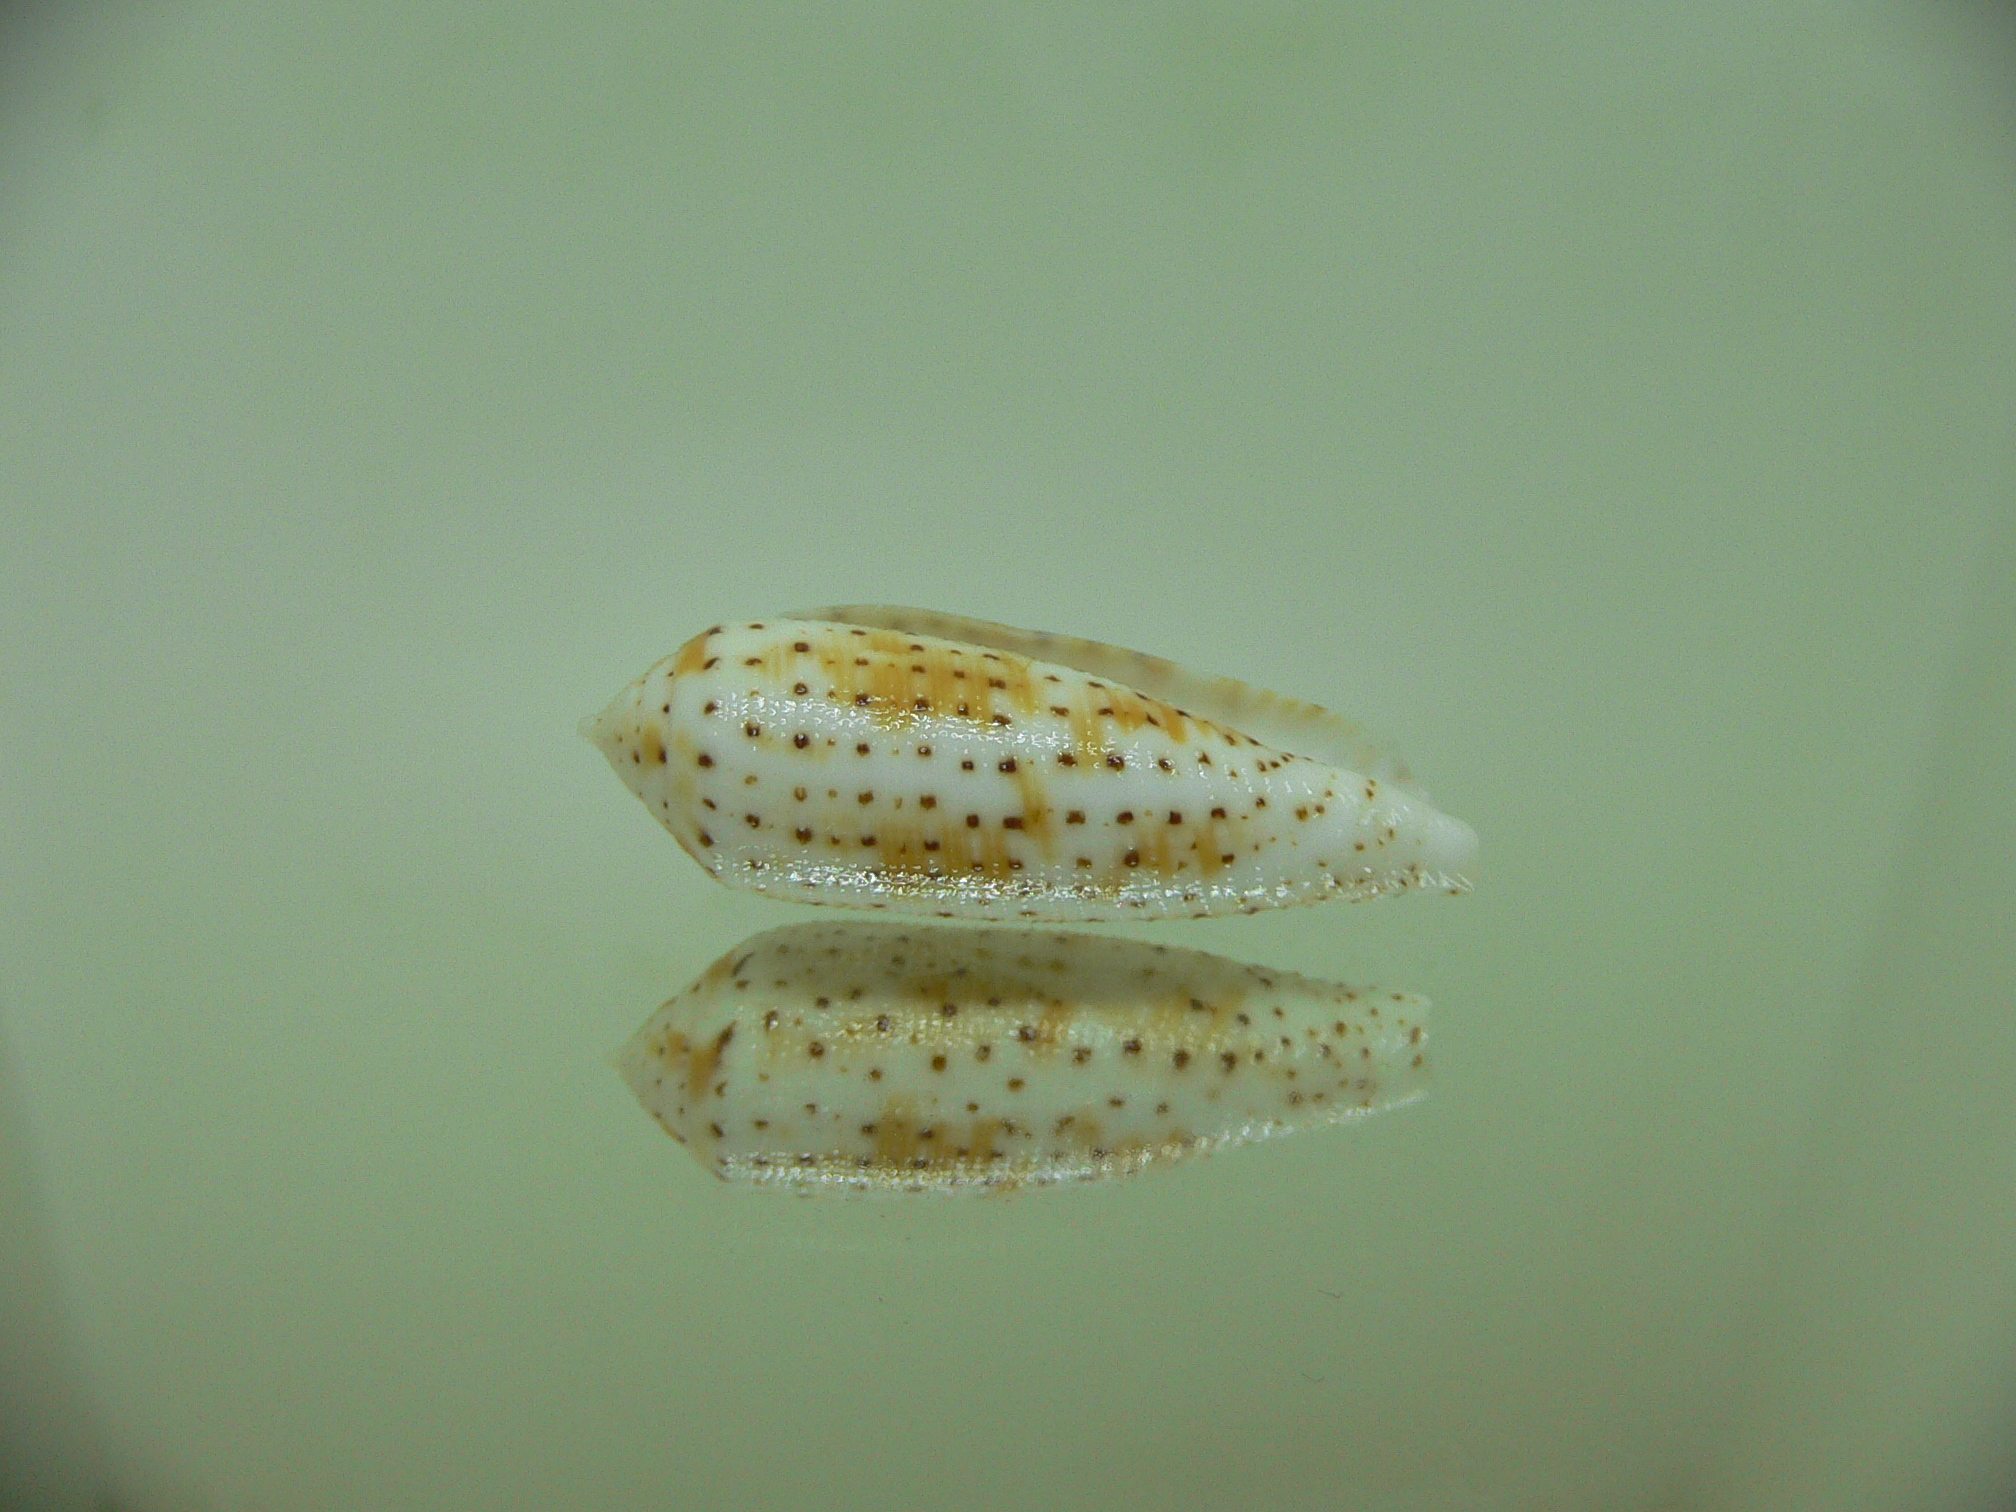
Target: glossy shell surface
916,762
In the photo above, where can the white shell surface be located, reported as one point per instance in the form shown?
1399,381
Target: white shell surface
885,1058
869,762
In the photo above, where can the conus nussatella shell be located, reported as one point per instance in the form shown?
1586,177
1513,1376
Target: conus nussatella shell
918,762
887,1058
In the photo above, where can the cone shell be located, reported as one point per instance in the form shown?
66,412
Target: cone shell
916,762
883,1058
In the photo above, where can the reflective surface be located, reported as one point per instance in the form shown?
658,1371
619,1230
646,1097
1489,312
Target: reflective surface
901,1060
1611,405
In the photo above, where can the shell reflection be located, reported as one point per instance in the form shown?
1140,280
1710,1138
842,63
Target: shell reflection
882,1058
921,763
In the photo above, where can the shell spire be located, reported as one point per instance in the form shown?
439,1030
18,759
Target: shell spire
922,763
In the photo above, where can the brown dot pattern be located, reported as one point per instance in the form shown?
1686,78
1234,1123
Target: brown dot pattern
951,778
822,1057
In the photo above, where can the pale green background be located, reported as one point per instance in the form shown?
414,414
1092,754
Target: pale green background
1612,402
